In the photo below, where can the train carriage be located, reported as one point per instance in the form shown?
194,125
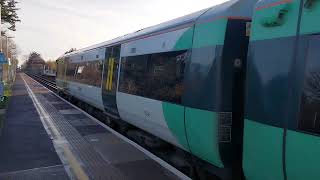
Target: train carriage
184,81
281,132
181,81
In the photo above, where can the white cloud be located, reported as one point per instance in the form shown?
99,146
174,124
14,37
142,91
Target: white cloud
52,27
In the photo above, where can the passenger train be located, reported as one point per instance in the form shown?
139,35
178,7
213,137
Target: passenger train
235,85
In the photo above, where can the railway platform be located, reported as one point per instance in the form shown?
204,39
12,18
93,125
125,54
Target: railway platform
46,137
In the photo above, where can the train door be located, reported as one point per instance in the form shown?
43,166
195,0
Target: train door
269,63
110,79
303,134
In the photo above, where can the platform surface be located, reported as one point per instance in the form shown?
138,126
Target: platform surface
45,137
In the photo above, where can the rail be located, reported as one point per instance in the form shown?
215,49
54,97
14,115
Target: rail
45,81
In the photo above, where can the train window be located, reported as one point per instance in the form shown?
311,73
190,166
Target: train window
165,75
267,80
156,76
132,75
80,69
71,69
89,73
310,102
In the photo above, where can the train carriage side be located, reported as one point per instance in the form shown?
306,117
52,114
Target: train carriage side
151,77
80,76
186,85
281,134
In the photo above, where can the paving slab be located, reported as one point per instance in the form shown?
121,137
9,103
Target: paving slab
25,143
67,141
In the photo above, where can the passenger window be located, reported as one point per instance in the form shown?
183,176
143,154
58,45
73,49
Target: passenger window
89,73
71,70
132,76
156,76
165,77
310,103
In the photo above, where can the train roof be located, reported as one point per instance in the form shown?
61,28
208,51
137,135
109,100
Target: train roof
232,8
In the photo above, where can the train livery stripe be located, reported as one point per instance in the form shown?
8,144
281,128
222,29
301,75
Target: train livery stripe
310,18
202,132
302,156
273,4
174,116
185,41
172,41
262,151
275,22
148,114
209,34
108,76
111,73
200,127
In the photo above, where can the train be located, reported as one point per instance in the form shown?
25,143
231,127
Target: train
235,85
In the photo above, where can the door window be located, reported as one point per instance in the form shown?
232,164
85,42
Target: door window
310,102
111,69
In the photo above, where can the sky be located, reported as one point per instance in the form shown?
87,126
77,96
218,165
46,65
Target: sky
53,27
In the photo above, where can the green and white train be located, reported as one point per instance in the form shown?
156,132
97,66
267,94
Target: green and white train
235,85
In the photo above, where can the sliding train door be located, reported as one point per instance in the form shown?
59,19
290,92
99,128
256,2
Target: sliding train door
110,80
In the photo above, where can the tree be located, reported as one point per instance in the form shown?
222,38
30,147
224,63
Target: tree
34,56
35,64
70,51
9,13
51,64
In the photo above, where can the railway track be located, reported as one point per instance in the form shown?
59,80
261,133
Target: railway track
51,84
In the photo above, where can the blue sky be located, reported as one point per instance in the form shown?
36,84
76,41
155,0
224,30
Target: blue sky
53,27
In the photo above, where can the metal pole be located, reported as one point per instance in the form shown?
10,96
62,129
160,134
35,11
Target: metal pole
7,47
1,41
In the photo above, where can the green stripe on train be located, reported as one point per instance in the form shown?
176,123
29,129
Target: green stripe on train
185,41
302,156
202,132
174,116
211,33
205,34
199,126
275,22
310,18
262,151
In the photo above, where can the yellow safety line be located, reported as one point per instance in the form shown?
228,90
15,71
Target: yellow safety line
74,164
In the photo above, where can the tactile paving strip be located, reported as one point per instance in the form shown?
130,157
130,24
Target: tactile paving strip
75,116
88,130
62,106
51,97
